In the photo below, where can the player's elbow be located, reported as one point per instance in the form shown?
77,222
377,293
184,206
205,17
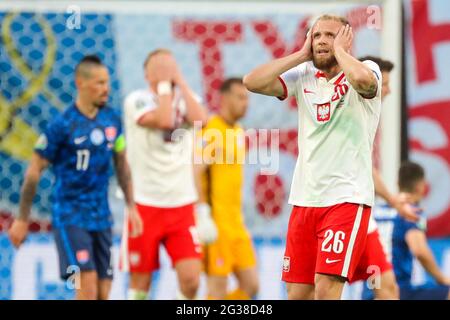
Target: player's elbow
201,118
155,121
364,81
251,83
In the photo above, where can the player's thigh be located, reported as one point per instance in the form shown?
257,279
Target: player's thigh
188,271
142,252
341,233
299,259
87,289
102,248
300,291
180,237
248,280
75,250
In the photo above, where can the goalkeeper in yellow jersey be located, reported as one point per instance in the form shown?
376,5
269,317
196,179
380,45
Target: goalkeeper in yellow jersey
219,163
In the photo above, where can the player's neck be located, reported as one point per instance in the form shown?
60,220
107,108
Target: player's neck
86,108
332,72
225,116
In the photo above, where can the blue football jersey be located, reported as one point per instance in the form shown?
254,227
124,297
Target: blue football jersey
80,152
393,229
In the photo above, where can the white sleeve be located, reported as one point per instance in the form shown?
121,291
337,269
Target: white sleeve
377,72
290,80
138,104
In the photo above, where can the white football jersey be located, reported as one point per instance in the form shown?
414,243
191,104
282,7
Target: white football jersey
160,160
336,130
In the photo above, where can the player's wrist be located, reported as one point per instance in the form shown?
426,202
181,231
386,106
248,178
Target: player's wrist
164,88
304,55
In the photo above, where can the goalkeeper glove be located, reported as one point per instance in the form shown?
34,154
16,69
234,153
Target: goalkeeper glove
206,228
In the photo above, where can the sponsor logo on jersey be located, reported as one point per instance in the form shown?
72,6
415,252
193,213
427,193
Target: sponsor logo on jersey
79,140
328,261
97,137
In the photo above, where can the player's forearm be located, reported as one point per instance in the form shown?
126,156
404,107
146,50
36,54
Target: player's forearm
27,194
123,174
381,189
428,262
357,73
164,112
259,79
194,110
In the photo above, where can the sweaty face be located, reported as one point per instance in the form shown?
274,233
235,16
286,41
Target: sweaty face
237,100
323,34
96,86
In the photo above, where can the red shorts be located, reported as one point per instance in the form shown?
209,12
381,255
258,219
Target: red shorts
173,227
328,240
373,260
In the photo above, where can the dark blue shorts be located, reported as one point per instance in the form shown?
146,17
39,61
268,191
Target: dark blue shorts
424,293
83,250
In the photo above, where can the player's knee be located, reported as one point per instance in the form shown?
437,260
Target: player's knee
140,281
393,292
251,287
328,287
189,284
87,292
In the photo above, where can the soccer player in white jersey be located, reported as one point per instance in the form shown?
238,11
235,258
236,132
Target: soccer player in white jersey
159,129
339,102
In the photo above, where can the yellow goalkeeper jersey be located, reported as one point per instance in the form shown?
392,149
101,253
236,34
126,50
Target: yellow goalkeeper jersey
223,149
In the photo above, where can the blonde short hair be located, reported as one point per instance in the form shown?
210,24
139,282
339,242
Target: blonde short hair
154,53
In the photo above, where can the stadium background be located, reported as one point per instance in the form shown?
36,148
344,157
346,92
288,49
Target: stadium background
41,42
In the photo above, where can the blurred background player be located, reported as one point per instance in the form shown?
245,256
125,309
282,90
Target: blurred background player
339,104
405,240
220,175
79,145
159,130
374,260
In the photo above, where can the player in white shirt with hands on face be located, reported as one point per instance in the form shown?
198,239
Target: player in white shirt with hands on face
159,130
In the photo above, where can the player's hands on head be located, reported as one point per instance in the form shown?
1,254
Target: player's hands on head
404,207
344,39
164,67
137,226
178,76
307,46
18,232
206,228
